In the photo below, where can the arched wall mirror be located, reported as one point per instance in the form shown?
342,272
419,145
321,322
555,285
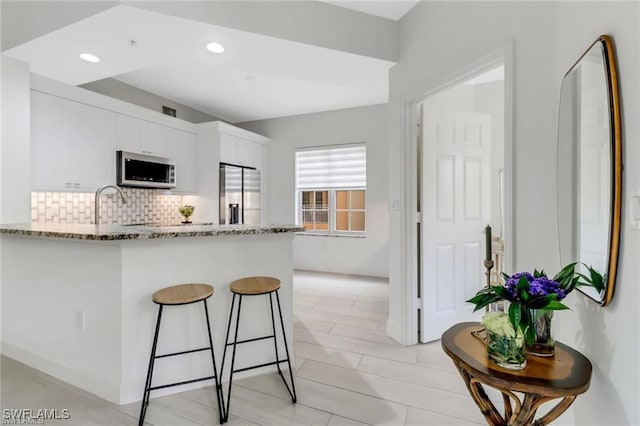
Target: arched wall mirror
590,165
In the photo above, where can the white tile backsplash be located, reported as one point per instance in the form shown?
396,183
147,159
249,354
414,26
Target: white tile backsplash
142,206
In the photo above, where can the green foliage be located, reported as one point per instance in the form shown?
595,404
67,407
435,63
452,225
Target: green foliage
595,279
186,210
522,301
567,278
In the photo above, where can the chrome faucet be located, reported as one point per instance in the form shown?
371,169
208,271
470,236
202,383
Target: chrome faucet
98,193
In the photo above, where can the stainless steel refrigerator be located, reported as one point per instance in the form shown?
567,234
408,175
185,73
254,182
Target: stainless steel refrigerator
239,195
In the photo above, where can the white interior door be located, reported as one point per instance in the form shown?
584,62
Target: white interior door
455,205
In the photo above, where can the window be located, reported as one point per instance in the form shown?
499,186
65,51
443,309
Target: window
331,187
315,210
350,210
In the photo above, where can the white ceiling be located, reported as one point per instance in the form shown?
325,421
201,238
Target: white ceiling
390,9
257,77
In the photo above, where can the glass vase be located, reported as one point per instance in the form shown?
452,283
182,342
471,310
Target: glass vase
507,352
544,342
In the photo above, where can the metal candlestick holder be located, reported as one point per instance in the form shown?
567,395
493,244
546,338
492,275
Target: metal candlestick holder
488,264
495,306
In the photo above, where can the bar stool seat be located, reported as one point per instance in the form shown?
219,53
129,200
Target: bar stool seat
256,286
181,294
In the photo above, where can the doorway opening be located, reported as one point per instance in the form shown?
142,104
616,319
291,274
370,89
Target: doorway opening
461,189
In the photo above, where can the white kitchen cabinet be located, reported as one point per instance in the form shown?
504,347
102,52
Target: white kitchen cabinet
259,157
71,144
154,139
244,153
75,134
220,142
239,151
181,147
140,136
227,148
128,133
49,165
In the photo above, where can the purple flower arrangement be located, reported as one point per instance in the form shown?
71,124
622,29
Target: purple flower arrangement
527,291
538,286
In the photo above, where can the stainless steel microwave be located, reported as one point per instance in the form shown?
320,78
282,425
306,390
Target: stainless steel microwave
145,171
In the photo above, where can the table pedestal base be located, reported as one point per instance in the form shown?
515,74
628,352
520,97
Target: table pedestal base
558,379
523,410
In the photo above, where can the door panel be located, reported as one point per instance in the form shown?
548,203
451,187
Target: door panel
472,258
455,209
445,273
445,188
472,190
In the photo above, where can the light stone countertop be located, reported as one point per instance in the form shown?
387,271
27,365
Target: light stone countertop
138,232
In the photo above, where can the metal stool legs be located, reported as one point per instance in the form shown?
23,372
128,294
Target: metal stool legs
235,343
148,388
217,381
292,391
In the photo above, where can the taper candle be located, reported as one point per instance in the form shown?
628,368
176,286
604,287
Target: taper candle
487,234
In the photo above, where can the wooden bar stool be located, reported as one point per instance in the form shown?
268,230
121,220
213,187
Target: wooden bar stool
183,294
256,286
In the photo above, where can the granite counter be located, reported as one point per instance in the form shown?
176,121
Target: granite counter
139,231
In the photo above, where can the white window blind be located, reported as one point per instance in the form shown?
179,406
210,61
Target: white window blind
337,167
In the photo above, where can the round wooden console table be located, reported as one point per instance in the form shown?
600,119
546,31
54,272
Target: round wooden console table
565,375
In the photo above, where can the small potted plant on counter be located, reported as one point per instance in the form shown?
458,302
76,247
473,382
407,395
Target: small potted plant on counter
186,211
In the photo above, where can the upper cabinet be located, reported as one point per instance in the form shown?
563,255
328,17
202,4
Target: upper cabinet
75,134
71,144
241,147
128,133
145,137
182,148
219,142
242,152
141,136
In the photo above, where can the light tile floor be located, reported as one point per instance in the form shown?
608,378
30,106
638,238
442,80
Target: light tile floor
348,373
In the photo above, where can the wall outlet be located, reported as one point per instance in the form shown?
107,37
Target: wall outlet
79,320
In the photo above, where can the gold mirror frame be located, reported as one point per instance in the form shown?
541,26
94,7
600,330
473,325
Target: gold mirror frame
605,42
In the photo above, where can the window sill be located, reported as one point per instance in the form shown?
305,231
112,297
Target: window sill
319,234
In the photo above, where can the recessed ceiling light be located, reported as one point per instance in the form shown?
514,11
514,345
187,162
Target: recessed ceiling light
215,47
89,58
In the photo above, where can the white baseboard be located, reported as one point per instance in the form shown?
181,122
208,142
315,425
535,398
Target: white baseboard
398,333
128,392
85,381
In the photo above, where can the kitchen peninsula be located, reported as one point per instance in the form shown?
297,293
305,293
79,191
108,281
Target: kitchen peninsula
76,299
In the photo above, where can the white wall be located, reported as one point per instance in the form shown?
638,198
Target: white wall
15,147
362,256
609,336
547,37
